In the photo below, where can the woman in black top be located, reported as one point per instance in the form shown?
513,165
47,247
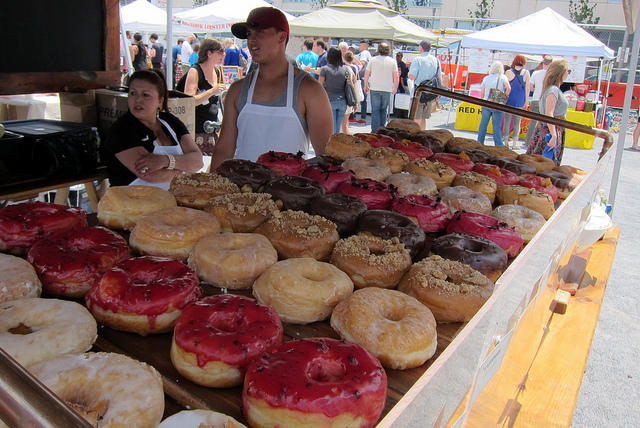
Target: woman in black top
205,82
138,53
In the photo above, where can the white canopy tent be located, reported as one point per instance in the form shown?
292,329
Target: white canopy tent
144,17
542,32
355,19
219,15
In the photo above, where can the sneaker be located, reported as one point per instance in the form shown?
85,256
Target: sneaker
361,121
353,121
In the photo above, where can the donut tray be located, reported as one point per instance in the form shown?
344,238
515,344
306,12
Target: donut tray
181,394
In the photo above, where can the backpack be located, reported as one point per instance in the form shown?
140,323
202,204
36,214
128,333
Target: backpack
242,61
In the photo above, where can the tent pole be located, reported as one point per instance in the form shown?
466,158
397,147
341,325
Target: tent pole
455,79
169,48
123,36
631,78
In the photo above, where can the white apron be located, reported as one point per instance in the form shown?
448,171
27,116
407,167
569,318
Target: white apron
161,150
263,128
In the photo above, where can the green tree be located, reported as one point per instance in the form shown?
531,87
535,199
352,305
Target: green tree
581,12
483,11
399,6
197,3
319,4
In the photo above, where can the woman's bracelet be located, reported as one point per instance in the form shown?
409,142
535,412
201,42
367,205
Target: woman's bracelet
172,162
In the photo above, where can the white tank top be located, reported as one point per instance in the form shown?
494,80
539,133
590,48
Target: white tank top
263,128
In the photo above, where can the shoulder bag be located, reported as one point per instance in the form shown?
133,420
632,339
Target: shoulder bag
349,91
434,82
496,95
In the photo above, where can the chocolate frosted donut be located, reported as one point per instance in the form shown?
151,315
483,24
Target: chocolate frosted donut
395,133
476,155
513,165
462,142
343,210
389,224
427,139
560,180
293,192
480,253
249,176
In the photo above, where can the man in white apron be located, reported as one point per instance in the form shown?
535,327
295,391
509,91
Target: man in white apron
277,107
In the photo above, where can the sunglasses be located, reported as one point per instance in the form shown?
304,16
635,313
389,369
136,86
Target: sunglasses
568,71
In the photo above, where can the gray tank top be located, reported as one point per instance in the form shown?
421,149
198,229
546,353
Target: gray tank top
280,100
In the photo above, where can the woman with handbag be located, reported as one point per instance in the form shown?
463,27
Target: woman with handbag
333,77
552,103
495,87
349,62
518,97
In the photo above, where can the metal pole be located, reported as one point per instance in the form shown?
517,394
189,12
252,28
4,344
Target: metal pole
123,35
170,64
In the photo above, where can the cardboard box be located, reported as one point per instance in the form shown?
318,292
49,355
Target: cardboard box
21,107
78,107
112,104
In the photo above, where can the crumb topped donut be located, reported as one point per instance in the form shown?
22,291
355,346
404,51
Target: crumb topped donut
302,290
442,174
454,292
195,190
412,184
530,198
373,169
122,206
298,234
18,279
461,198
396,328
283,163
344,146
241,212
478,182
371,261
395,159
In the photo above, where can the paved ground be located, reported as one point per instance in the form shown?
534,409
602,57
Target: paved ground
610,392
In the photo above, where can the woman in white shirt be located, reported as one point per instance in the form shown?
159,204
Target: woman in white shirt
495,79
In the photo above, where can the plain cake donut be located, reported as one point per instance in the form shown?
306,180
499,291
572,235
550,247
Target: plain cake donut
396,328
196,189
115,390
530,198
302,290
18,279
241,212
122,206
35,329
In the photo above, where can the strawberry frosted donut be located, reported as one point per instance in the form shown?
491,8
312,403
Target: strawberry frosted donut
328,175
525,221
18,279
292,192
442,174
395,159
461,198
343,210
412,149
122,206
283,163
375,194
344,146
459,163
501,176
21,225
389,225
429,212
375,140
241,212
530,198
541,184
412,184
143,295
249,176
70,262
487,227
195,190
217,337
372,169
232,260
314,382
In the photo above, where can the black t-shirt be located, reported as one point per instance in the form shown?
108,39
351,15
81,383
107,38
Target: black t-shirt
128,132
140,60
159,48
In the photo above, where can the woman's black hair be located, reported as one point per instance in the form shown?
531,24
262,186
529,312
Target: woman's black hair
156,78
334,57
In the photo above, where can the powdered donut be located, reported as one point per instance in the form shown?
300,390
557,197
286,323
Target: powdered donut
412,184
461,198
525,221
195,190
33,330
18,279
371,169
122,206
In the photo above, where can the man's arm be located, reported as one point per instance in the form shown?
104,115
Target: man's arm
225,147
396,78
317,111
367,73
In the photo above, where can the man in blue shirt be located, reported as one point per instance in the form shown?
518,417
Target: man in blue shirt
308,58
424,67
176,55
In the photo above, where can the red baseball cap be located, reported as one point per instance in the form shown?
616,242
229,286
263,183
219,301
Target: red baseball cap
261,18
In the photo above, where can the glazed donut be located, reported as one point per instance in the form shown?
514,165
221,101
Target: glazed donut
518,167
463,142
172,232
396,328
412,149
500,175
109,389
477,182
370,261
232,260
372,169
461,198
195,190
500,151
454,292
488,227
481,254
525,221
292,192
36,329
443,135
341,209
541,184
412,184
122,206
199,419
406,124
298,234
143,295
344,146
459,163
327,383
21,225
389,225
395,159
283,163
539,162
241,212
476,155
302,290
249,176
217,337
69,262
530,198
563,182
375,194
375,140
442,174
328,175
18,279
428,212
